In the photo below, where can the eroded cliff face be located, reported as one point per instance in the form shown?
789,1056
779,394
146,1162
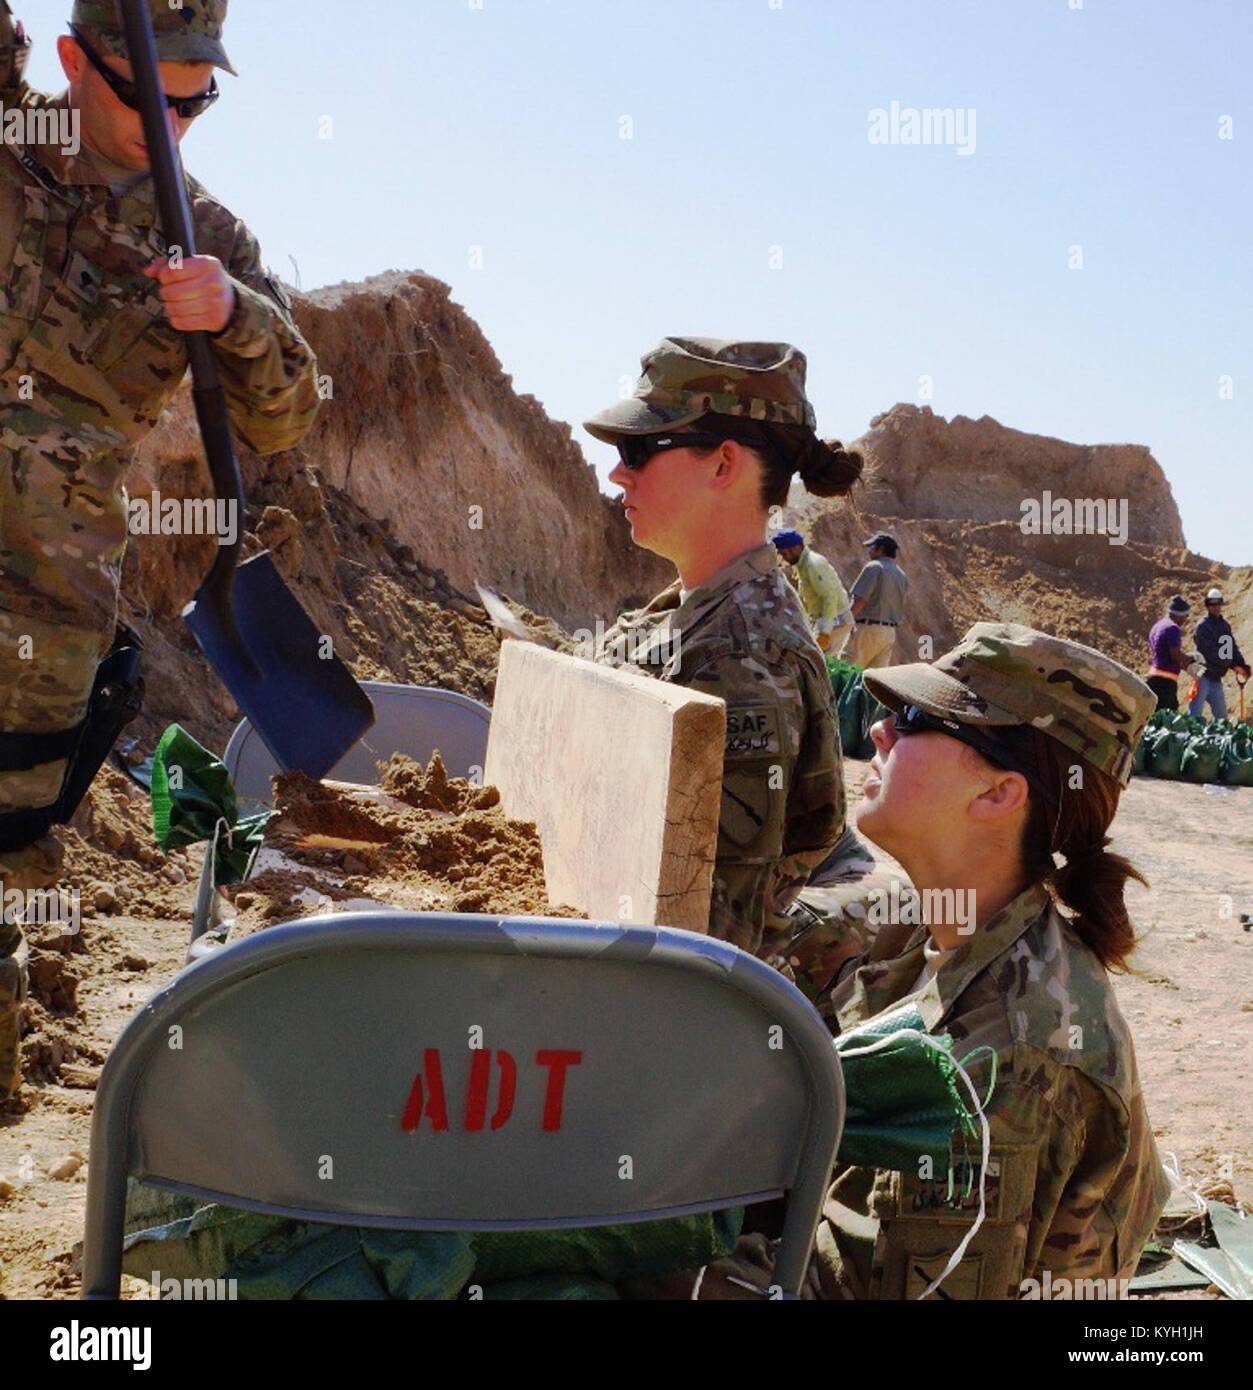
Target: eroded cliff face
426,432
978,470
952,492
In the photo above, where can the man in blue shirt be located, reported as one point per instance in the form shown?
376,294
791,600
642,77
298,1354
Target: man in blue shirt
1217,645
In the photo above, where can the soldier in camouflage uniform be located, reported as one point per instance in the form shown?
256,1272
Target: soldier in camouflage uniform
731,625
92,311
1073,1184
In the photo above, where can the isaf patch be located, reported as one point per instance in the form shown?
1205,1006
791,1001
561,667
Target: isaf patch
753,731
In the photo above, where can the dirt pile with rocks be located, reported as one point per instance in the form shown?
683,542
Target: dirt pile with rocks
422,841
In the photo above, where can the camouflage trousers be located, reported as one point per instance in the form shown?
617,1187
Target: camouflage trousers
46,677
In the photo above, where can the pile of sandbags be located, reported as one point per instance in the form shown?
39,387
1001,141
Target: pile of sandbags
1190,749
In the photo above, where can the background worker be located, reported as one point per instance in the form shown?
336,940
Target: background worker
1216,644
972,789
822,596
708,444
91,350
1166,654
878,604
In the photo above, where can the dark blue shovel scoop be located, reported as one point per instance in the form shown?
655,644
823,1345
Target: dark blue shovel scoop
283,672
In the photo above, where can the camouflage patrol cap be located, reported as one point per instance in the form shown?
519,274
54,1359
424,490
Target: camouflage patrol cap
187,32
685,378
1003,673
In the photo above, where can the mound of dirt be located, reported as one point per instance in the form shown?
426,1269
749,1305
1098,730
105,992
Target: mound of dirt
425,842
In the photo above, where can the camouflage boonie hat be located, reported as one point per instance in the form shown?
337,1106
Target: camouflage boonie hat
685,378
1003,673
187,33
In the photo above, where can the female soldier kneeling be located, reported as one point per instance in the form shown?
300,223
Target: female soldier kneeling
1008,750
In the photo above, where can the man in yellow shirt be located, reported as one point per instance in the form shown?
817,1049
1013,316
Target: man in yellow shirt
822,595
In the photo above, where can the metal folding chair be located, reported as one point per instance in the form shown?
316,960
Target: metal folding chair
442,1071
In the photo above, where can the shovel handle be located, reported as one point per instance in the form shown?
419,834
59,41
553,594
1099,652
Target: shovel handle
210,403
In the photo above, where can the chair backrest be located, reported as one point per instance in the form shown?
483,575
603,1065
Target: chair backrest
411,719
437,1071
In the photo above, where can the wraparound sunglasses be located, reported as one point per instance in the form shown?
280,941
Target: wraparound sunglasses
187,108
909,719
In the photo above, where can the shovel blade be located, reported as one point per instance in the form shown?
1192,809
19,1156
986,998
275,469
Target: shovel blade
298,695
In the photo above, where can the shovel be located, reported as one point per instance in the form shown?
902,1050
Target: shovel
283,673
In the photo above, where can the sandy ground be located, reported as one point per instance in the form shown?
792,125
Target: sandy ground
1189,1002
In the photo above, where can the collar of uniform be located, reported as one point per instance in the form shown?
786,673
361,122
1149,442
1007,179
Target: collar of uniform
763,559
88,168
874,987
685,612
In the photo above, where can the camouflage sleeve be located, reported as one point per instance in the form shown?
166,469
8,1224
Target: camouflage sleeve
1099,1187
766,725
14,51
267,369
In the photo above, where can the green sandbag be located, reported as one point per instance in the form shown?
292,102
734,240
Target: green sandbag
273,1257
193,799
1202,759
1165,757
903,1099
1237,764
1141,752
848,707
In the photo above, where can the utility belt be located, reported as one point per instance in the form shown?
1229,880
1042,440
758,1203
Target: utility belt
117,696
1163,675
876,622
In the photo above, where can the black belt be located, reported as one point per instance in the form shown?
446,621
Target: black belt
876,622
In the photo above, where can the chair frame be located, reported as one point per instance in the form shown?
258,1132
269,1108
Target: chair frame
118,1116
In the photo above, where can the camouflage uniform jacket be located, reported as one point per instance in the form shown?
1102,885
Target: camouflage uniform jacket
1074,1182
88,361
743,637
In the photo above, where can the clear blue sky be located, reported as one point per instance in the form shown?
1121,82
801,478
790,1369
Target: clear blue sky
460,124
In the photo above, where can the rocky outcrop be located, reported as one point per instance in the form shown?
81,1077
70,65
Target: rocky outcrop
979,470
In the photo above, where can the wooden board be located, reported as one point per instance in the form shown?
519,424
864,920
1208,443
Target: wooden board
621,772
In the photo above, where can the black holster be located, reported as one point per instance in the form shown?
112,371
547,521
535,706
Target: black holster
117,696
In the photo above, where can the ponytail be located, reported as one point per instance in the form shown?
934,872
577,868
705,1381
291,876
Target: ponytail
1091,881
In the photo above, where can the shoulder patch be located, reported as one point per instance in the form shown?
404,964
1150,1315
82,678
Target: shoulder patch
753,730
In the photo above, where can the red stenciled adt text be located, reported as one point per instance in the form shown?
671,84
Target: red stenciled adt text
426,1095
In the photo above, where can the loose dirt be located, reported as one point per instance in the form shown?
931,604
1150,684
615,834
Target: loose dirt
424,841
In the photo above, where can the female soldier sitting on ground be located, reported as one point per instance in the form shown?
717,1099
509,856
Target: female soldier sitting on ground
708,445
1010,749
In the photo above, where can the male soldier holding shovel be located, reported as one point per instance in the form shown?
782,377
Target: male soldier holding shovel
93,305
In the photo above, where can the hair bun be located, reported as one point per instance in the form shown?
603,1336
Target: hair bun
828,469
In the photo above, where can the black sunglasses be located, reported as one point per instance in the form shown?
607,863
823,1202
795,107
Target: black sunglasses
127,93
636,449
909,719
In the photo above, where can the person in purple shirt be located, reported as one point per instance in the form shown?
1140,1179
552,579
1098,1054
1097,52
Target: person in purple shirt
1166,655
